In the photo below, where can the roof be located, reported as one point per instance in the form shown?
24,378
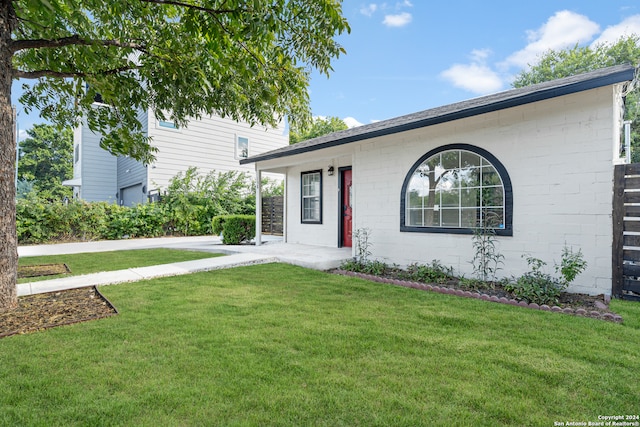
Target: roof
458,110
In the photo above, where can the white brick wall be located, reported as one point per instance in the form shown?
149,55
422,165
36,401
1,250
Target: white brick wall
558,154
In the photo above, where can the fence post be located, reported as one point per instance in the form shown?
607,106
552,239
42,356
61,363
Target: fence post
617,216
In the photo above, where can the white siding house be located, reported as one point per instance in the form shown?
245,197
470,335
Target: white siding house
538,159
211,143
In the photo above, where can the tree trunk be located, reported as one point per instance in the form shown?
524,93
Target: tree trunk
8,238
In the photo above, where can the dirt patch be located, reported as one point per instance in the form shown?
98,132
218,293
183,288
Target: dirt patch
43,311
38,270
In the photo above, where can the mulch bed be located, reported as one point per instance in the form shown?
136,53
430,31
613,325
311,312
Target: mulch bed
43,311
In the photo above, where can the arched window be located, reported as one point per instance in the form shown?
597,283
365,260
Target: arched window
456,189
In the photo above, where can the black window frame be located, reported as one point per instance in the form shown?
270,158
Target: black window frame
302,220
499,167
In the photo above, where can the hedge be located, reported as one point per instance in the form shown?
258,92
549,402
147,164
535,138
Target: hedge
235,229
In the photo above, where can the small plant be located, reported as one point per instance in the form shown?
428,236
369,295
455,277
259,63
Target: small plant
536,285
571,265
361,236
542,288
376,268
487,259
433,273
473,284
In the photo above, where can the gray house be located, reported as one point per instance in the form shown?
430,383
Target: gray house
211,143
536,164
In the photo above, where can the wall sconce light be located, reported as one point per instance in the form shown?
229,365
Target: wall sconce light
330,171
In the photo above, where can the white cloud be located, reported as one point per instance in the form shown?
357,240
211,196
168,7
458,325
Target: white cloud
22,134
475,77
612,34
351,122
562,30
369,9
399,20
480,55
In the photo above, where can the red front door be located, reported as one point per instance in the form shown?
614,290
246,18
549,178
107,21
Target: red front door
347,218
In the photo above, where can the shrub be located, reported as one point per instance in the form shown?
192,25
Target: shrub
535,285
571,265
192,200
217,223
540,287
235,229
430,273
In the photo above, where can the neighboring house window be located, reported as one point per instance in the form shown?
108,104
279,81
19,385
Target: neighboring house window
456,189
167,124
311,196
77,153
242,147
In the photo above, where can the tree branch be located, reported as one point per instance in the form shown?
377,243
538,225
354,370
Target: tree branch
74,40
66,74
192,6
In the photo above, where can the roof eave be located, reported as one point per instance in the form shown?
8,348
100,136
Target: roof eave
626,74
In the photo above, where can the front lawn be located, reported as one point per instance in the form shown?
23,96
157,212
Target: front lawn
281,345
85,263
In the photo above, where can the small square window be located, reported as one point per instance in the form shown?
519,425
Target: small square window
242,147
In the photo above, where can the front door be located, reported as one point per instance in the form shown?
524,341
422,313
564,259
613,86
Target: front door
347,218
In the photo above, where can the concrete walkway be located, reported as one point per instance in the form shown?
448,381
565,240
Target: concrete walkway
273,250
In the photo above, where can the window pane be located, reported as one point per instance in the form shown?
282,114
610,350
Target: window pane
414,200
470,218
450,218
420,182
415,217
448,180
451,159
470,197
490,176
431,218
492,196
494,217
468,159
450,198
470,177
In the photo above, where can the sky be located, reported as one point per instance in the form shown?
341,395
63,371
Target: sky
411,55
406,56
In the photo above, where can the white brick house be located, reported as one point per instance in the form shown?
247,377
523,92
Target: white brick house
211,143
540,159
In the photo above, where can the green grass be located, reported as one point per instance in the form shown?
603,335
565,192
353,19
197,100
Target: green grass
281,345
85,263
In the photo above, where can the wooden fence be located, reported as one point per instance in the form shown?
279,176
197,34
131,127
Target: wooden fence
273,215
626,232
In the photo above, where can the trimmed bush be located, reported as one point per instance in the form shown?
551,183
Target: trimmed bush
217,223
235,229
